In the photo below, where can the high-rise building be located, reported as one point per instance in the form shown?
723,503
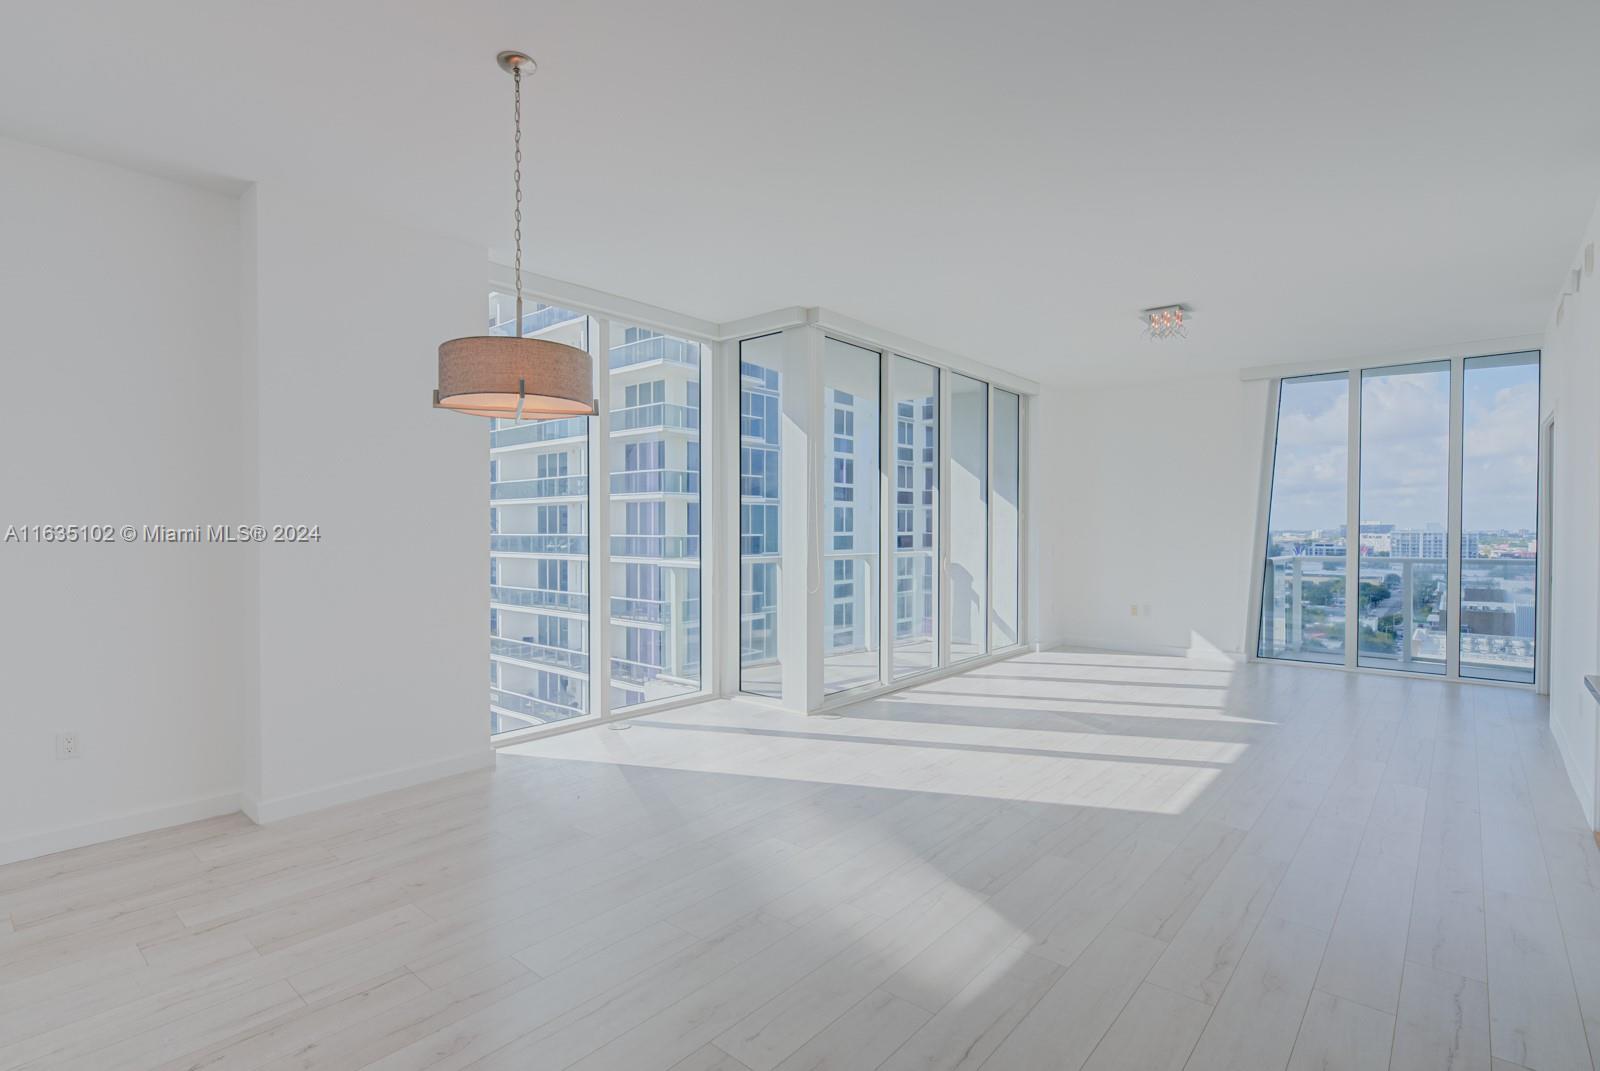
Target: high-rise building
759,541
540,552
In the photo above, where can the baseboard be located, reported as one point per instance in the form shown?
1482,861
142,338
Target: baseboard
264,811
1581,786
128,825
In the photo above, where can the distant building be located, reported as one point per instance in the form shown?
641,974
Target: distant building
1413,543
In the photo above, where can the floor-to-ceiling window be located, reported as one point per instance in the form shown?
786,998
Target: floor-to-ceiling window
654,504
1303,588
849,512
1401,605
1499,516
1005,576
760,394
538,548
1403,525
915,489
969,517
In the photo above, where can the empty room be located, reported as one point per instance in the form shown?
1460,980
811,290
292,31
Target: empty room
745,536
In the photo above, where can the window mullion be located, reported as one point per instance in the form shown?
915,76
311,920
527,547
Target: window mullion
888,517
1453,526
600,525
1352,531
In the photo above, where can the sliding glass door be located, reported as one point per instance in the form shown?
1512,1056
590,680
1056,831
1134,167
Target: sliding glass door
1402,603
654,505
1303,581
1005,592
1440,530
915,388
1499,516
539,667
849,512
760,481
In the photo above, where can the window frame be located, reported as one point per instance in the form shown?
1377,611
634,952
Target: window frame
1457,359
722,417
602,453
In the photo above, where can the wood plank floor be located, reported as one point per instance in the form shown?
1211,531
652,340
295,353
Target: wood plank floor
1067,860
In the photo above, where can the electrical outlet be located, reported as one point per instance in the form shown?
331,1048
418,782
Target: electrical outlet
1133,609
1145,610
66,745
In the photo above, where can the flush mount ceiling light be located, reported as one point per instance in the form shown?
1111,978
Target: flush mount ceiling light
1166,321
507,375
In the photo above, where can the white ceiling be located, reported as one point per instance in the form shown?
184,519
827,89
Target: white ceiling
1012,181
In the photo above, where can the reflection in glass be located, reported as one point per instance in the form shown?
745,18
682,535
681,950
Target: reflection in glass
538,547
654,425
849,516
1499,516
916,516
1003,585
1401,610
760,395
969,516
1303,590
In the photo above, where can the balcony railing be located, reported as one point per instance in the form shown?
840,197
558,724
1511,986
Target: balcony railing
1402,613
655,481
655,546
634,672
538,320
540,543
660,348
655,415
540,487
540,431
540,599
530,709
539,653
654,611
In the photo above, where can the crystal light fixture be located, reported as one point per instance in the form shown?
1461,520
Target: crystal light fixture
510,376
1166,321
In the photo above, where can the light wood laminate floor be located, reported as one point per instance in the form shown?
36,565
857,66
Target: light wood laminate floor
1067,860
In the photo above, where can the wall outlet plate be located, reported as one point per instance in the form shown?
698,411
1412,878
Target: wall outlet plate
66,746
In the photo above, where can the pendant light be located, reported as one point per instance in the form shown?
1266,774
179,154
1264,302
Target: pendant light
513,377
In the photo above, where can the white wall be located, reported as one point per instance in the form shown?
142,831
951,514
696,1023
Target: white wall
1571,391
119,337
1145,495
181,356
371,642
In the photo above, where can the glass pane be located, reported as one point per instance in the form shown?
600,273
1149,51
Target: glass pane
760,399
849,516
1499,515
655,515
1405,474
916,516
538,547
1007,498
969,516
1302,595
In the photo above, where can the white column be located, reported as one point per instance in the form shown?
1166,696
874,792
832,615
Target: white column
800,581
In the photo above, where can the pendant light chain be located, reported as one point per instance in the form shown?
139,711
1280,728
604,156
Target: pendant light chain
516,178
